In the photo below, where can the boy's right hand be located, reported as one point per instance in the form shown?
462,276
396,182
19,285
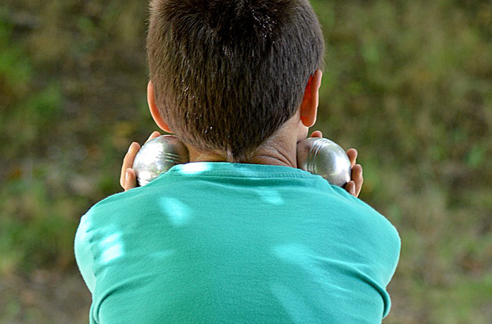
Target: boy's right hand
128,179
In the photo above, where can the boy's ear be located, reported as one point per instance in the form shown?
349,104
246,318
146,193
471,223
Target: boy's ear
154,111
309,105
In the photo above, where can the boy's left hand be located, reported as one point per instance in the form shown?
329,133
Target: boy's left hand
354,186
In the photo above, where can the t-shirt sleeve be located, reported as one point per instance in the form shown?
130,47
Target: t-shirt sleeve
393,243
394,256
83,253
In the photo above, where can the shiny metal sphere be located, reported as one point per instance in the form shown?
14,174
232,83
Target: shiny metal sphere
158,156
326,158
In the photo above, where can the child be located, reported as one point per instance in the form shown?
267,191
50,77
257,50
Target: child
239,234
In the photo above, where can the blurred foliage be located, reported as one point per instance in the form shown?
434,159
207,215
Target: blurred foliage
408,83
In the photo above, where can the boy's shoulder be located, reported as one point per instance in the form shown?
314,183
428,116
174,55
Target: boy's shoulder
117,205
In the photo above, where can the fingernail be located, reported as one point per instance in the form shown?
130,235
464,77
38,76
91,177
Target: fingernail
127,175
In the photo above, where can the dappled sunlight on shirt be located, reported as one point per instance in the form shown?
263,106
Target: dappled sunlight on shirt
177,212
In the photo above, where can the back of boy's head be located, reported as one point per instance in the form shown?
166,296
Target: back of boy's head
228,73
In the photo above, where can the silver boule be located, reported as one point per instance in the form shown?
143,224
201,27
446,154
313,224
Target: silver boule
158,156
326,158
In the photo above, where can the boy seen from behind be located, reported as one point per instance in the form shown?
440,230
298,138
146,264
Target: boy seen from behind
239,234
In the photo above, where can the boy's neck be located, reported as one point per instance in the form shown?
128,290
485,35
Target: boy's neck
282,156
280,149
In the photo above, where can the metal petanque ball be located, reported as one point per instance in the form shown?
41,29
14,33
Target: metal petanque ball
324,157
157,156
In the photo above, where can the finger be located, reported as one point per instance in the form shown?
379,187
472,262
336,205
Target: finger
153,135
357,178
317,134
350,187
130,179
128,161
352,155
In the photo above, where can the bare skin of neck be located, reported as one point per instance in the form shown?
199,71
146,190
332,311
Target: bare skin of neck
280,149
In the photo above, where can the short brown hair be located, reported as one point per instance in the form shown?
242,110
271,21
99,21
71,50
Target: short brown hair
228,73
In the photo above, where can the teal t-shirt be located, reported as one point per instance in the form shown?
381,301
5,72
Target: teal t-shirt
236,243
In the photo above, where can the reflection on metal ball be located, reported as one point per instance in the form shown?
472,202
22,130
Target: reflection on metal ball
324,157
157,156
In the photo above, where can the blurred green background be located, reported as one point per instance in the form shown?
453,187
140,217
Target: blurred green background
408,83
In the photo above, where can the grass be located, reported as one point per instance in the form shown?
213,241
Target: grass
407,83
